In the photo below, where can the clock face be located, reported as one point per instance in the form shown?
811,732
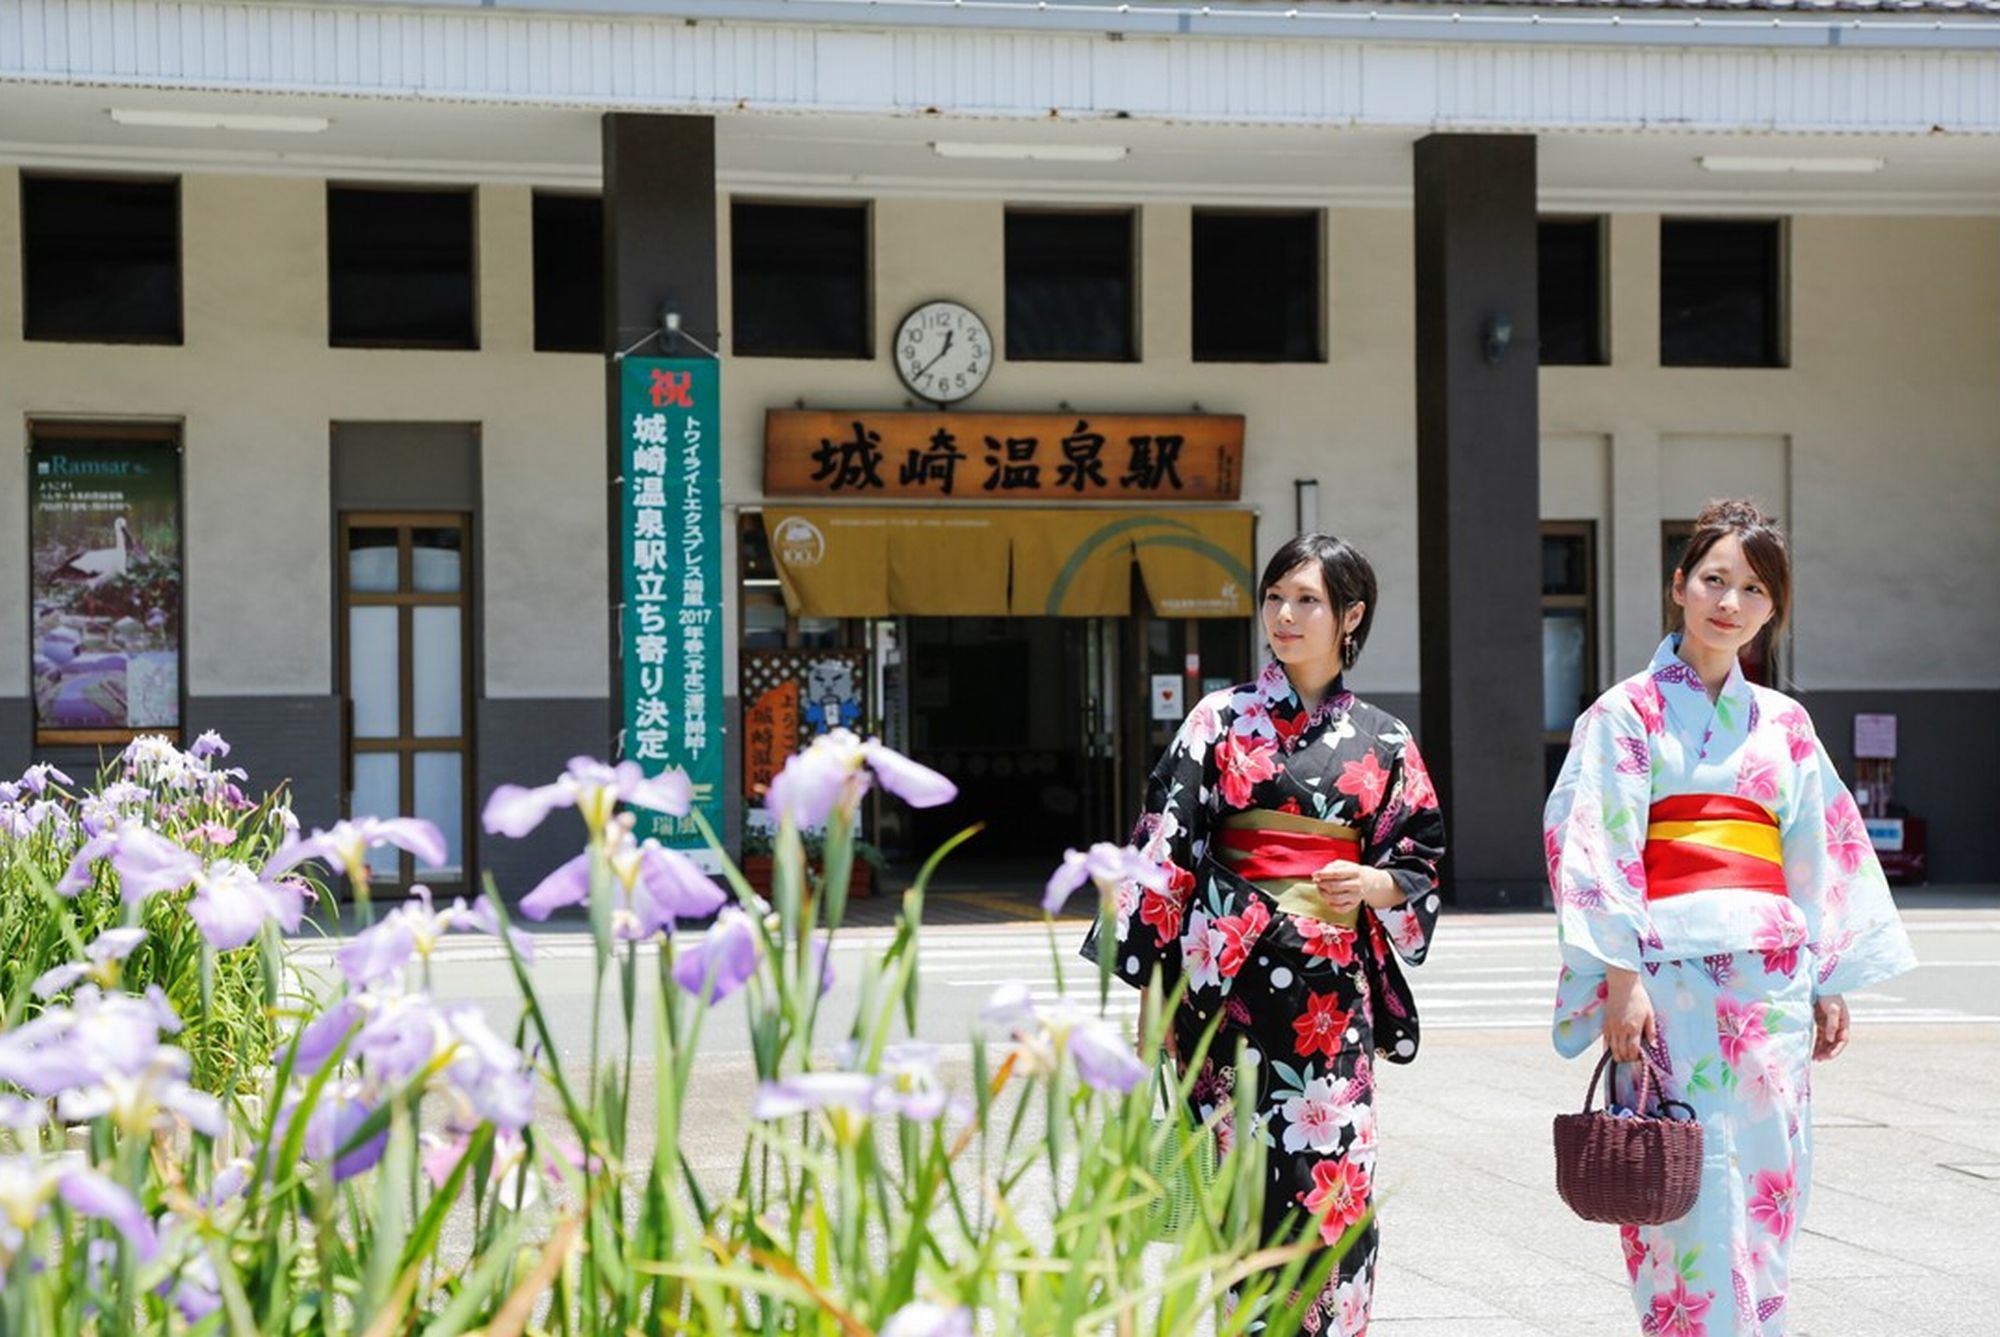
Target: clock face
943,351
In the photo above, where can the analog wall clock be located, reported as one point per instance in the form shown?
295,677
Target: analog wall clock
943,351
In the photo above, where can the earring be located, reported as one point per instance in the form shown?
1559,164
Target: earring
1347,650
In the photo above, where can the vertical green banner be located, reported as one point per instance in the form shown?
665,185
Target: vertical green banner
670,560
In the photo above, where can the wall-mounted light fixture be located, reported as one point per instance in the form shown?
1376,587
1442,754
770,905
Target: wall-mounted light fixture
1305,499
1499,332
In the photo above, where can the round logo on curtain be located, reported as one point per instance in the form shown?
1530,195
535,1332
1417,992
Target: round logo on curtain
800,543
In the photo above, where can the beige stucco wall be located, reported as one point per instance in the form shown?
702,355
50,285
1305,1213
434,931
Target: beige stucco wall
1886,430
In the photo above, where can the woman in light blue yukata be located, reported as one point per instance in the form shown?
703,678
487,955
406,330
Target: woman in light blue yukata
1716,895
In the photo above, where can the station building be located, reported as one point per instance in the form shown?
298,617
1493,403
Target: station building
307,315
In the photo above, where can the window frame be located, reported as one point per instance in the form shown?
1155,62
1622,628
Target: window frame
596,346
1134,281
1778,340
178,339
471,344
1600,337
1317,224
864,349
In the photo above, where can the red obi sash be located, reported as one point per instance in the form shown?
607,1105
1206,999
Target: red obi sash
1701,842
1269,853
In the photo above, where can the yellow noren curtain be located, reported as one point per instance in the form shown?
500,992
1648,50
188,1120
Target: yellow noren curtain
1072,564
1197,563
831,563
992,562
948,563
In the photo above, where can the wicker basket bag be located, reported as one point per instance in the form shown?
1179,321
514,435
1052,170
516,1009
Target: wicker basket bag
1641,1170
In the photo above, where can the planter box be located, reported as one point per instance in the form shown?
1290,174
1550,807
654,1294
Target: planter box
757,871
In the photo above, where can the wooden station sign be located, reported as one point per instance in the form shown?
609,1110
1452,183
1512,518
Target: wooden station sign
1040,457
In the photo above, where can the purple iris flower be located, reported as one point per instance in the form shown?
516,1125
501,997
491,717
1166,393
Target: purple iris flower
139,1102
88,1192
724,959
317,1039
345,845
146,862
231,903
335,1119
113,944
835,771
98,1034
491,1074
210,744
1104,864
37,777
592,787
1103,1060
850,1091
377,954
910,1085
921,1318
657,886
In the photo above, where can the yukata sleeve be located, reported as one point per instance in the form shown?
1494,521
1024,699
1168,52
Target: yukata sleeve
1407,842
1833,877
1593,835
1172,832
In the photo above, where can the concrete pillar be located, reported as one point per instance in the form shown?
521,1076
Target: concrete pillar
1478,531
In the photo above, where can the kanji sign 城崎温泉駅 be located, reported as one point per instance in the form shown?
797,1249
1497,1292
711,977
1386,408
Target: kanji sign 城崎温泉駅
1003,456
670,629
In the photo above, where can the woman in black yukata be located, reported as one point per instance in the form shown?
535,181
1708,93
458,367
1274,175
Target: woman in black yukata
1300,835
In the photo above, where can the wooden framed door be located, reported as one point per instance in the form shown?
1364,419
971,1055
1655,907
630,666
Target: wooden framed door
406,682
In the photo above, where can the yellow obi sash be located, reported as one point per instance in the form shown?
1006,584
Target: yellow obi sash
1700,842
1280,851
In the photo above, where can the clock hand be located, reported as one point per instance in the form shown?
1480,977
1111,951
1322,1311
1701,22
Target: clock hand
949,335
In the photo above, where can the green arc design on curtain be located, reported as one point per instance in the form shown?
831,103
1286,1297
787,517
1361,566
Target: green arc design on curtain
1190,539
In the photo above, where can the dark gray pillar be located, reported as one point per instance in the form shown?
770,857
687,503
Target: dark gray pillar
1478,504
659,252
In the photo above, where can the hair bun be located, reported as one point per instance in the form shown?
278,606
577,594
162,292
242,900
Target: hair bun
1732,513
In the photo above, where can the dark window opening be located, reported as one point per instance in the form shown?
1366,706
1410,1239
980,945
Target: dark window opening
1721,293
799,280
1069,287
101,259
1570,255
569,274
400,268
1256,286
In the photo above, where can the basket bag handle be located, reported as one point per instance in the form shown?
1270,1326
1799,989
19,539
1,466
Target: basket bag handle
1646,1095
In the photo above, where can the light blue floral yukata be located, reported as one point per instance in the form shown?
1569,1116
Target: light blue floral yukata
1732,972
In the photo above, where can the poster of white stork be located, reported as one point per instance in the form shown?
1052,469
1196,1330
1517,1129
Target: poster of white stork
105,537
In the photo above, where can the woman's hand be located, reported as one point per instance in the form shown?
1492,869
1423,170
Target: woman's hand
1628,1015
1346,886
1829,1026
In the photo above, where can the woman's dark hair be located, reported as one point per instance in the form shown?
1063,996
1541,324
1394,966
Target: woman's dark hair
1764,547
1349,580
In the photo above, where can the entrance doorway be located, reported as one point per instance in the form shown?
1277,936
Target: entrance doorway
405,682
1047,725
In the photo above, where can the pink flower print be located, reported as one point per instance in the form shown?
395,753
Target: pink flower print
1200,945
1774,1197
1418,791
1366,780
1239,935
1778,936
1354,1308
1552,851
1339,1197
1798,732
1245,763
1680,1312
1846,834
1634,873
1335,942
1651,706
1739,1029
1407,931
1634,1248
1204,723
1757,779
1315,1117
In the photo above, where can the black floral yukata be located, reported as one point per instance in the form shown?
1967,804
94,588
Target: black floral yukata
1316,1001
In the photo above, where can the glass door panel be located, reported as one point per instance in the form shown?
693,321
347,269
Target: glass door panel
405,677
